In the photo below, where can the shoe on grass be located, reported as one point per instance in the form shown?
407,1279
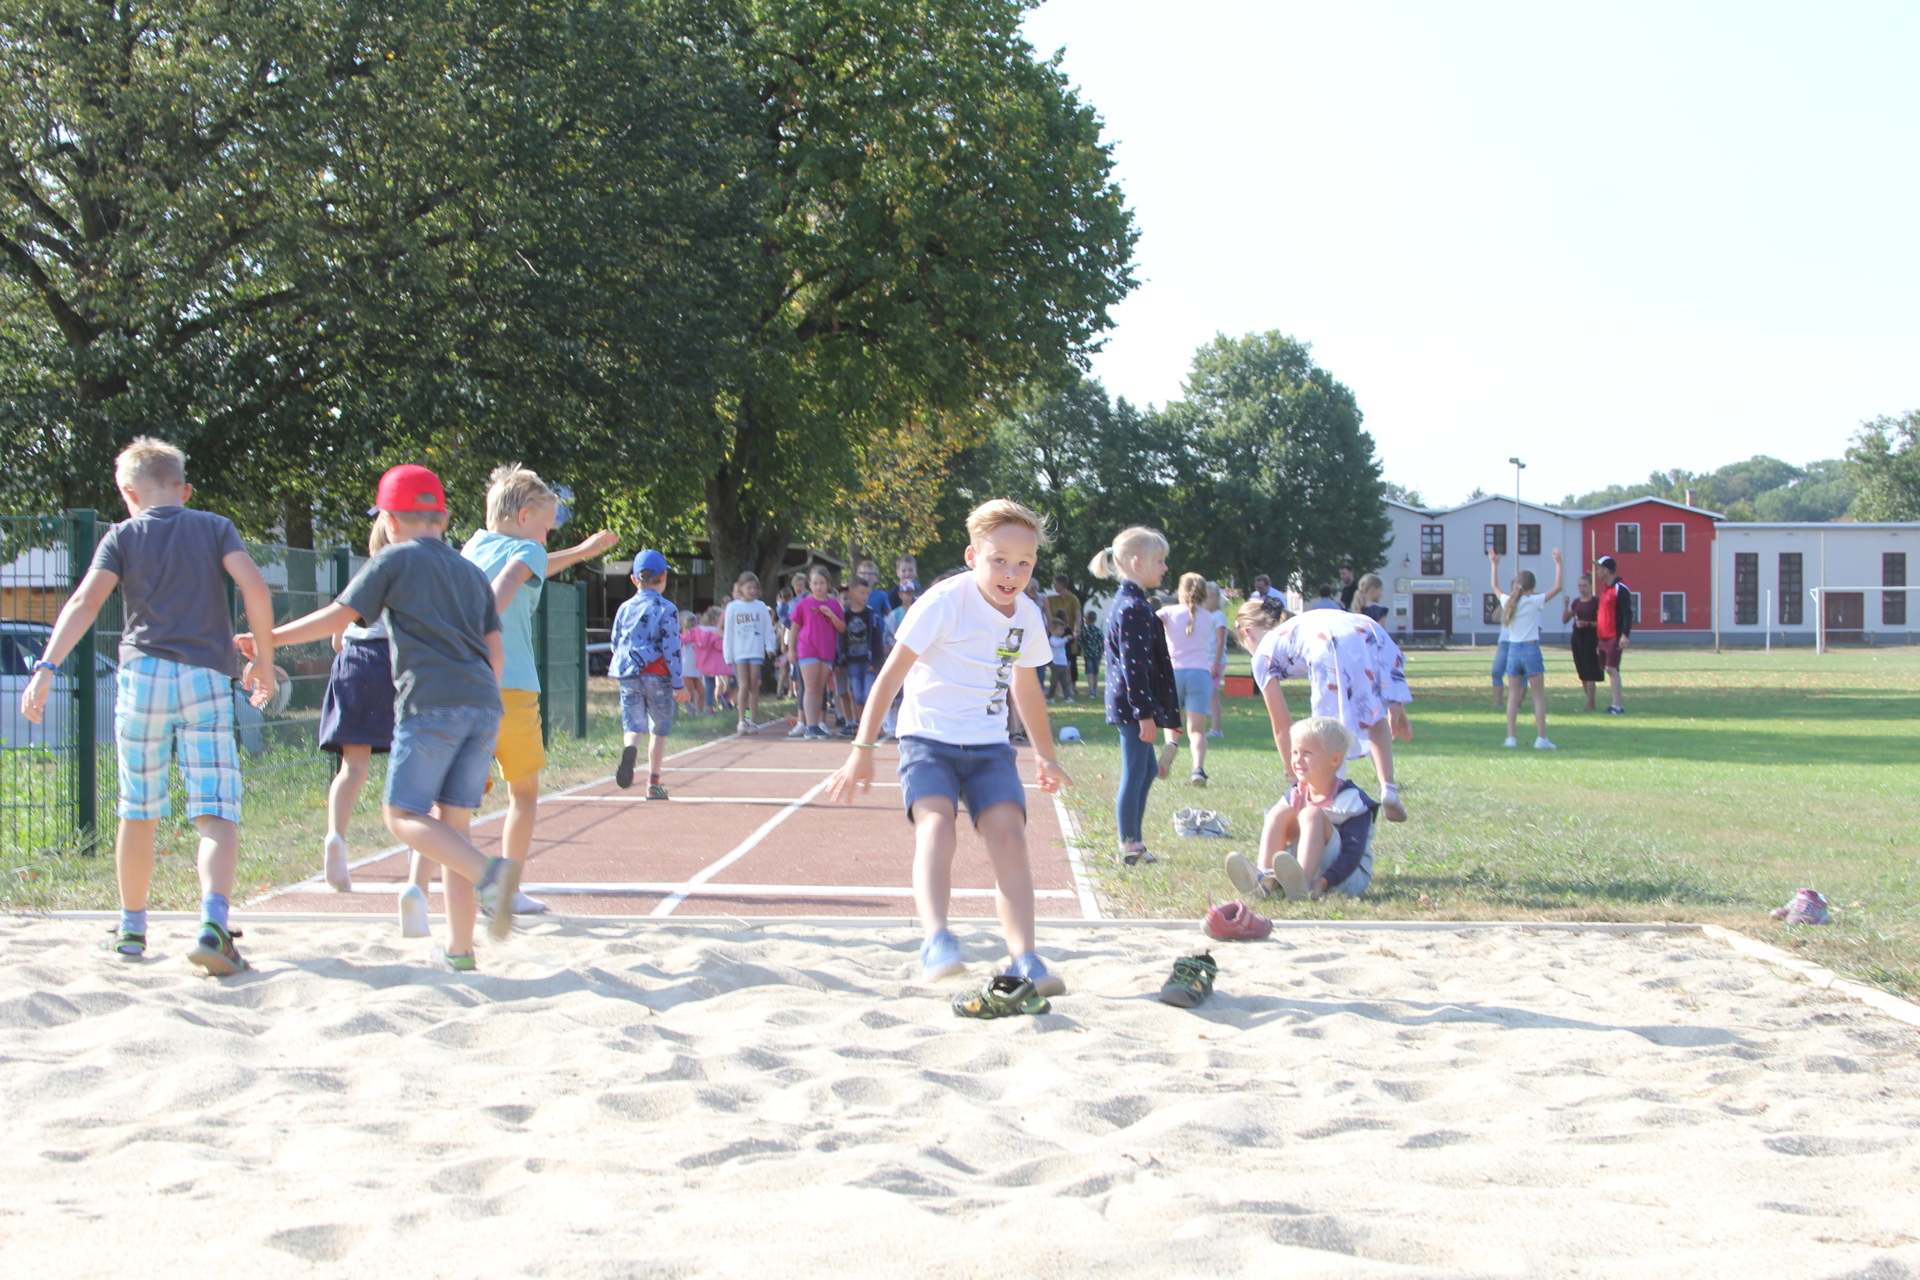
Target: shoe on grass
941,957
1192,981
1511,742
656,791
1392,810
623,772
1616,711
1215,733
1198,778
413,913
1809,906
499,885
1236,922
1246,877
1031,967
1210,824
1541,744
215,951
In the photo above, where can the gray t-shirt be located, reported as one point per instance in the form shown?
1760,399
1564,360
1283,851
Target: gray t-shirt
439,610
173,586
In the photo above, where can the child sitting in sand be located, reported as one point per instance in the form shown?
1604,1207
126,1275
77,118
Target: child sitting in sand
1317,840
970,645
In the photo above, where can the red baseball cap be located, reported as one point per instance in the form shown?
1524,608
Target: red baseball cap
410,487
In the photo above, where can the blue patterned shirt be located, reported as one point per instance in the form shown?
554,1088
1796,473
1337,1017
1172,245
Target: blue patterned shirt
645,630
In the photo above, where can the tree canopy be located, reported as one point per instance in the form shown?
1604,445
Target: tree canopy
1884,461
1760,488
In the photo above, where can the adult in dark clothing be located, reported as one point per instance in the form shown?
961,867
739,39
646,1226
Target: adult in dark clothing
1614,622
1347,587
1583,611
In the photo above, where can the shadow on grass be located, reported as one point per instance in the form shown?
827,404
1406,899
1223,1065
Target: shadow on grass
1716,746
1552,891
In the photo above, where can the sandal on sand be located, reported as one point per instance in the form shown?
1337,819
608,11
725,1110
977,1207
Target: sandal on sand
127,945
1002,997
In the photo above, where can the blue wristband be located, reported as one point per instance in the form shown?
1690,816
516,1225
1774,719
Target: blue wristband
44,665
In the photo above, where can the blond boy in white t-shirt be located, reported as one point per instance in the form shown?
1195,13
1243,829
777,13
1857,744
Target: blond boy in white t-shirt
969,644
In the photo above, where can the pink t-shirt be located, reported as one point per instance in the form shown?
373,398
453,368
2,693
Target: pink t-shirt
708,654
1189,652
814,636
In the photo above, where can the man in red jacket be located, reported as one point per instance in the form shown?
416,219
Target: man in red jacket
1615,627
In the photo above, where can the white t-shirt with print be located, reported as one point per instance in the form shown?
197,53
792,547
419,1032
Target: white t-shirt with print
1525,627
957,692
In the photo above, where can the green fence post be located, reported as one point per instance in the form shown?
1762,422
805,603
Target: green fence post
540,629
84,740
342,570
580,697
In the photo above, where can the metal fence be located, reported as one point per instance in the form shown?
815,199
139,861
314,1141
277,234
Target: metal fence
58,778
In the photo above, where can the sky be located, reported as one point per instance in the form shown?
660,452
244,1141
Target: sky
1607,239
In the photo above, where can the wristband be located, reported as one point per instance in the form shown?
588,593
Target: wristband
865,746
44,665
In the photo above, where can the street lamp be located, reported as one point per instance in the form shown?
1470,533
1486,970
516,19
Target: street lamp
1518,467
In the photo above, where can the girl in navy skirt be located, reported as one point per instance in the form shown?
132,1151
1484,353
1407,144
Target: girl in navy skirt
1141,698
356,720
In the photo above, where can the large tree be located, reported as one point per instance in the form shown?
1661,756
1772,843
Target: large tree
307,238
939,224
1884,461
1274,474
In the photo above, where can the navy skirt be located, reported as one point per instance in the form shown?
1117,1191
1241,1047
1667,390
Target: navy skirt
358,708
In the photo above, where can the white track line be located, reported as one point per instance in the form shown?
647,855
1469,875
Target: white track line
642,888
1082,884
739,851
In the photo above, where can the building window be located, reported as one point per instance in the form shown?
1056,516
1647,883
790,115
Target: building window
1495,537
1633,600
1893,604
1746,589
1433,550
1792,584
1490,609
1626,539
1529,539
1673,608
1673,538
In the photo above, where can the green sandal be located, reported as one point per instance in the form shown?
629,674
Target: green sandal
215,951
127,945
1192,980
1003,997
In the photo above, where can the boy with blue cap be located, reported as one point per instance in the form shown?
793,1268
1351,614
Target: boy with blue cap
646,662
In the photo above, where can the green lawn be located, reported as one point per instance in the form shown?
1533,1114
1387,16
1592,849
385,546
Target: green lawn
285,817
1735,779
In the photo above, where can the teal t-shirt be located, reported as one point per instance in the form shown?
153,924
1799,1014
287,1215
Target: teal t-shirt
491,552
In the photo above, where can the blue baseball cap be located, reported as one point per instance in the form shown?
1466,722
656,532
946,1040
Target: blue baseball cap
651,564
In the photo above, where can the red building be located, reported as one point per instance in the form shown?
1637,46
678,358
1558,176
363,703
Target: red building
1665,553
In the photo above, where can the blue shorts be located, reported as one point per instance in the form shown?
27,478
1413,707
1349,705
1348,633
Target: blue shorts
1523,659
859,678
983,775
154,700
442,755
818,662
1195,689
646,704
1500,663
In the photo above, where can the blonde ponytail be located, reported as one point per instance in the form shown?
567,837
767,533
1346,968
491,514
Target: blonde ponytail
1127,544
1103,565
1193,596
1522,586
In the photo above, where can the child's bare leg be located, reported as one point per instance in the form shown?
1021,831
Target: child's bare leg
1516,685
1380,744
1213,709
933,845
344,792
133,860
1539,684
1281,829
219,854
813,679
1004,828
1613,684
438,840
1587,687
1315,827
420,872
523,804
461,906
656,753
749,677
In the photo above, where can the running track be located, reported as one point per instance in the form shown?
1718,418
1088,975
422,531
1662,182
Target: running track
748,832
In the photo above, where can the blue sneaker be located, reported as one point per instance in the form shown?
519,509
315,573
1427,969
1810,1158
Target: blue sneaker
940,957
1031,967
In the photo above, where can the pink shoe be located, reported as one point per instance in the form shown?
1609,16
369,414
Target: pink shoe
1808,906
1237,922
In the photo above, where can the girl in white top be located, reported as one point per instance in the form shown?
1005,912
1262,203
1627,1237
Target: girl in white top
1520,609
747,634
1197,648
1220,624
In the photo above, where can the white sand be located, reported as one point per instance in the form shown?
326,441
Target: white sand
686,1099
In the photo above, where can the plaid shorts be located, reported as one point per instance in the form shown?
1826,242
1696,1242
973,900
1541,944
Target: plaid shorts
158,699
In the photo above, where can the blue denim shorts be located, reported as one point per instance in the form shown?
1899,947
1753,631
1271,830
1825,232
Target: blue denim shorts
646,704
1195,688
442,755
859,678
1500,663
984,775
1523,659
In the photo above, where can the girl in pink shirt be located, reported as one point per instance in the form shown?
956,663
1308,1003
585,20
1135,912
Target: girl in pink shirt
710,656
817,624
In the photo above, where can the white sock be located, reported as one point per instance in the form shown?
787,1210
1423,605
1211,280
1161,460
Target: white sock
1390,792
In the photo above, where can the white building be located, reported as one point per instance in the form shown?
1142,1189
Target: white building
1439,586
1786,579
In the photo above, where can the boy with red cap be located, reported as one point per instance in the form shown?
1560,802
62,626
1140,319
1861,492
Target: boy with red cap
448,656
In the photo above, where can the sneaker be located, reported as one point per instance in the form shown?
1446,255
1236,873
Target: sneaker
1289,876
743,728
413,913
847,731
1198,779
215,951
459,964
1616,711
1215,733
1032,968
1192,980
1391,809
1134,857
1236,922
1186,822
941,957
798,731
1246,877
1167,755
1210,824
1808,906
1511,742
1541,744
333,855
656,791
623,772
527,905
497,889
818,733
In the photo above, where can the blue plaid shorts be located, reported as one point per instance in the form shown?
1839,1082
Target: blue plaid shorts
157,700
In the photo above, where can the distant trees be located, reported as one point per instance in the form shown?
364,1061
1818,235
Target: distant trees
1885,463
1759,488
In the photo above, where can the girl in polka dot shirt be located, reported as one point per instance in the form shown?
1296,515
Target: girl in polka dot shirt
1141,698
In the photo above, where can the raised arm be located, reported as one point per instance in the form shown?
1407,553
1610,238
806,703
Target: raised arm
1559,575
599,542
1493,563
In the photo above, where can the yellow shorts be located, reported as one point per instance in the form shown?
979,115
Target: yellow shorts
519,749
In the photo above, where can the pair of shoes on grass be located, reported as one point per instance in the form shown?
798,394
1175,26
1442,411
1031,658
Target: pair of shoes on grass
1199,822
1539,744
1809,906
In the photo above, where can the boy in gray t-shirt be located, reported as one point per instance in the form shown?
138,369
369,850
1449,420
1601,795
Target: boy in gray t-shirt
447,659
176,681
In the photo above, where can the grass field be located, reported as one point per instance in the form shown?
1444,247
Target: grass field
1735,779
285,818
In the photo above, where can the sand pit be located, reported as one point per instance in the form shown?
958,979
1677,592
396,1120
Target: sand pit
684,1098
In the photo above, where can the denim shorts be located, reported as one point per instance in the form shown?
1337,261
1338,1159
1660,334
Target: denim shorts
442,755
155,700
859,678
1500,663
1523,659
1195,688
646,704
983,775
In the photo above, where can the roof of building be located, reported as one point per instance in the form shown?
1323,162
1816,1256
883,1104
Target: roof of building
1910,526
1665,502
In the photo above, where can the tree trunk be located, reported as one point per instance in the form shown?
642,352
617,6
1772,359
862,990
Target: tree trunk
742,534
